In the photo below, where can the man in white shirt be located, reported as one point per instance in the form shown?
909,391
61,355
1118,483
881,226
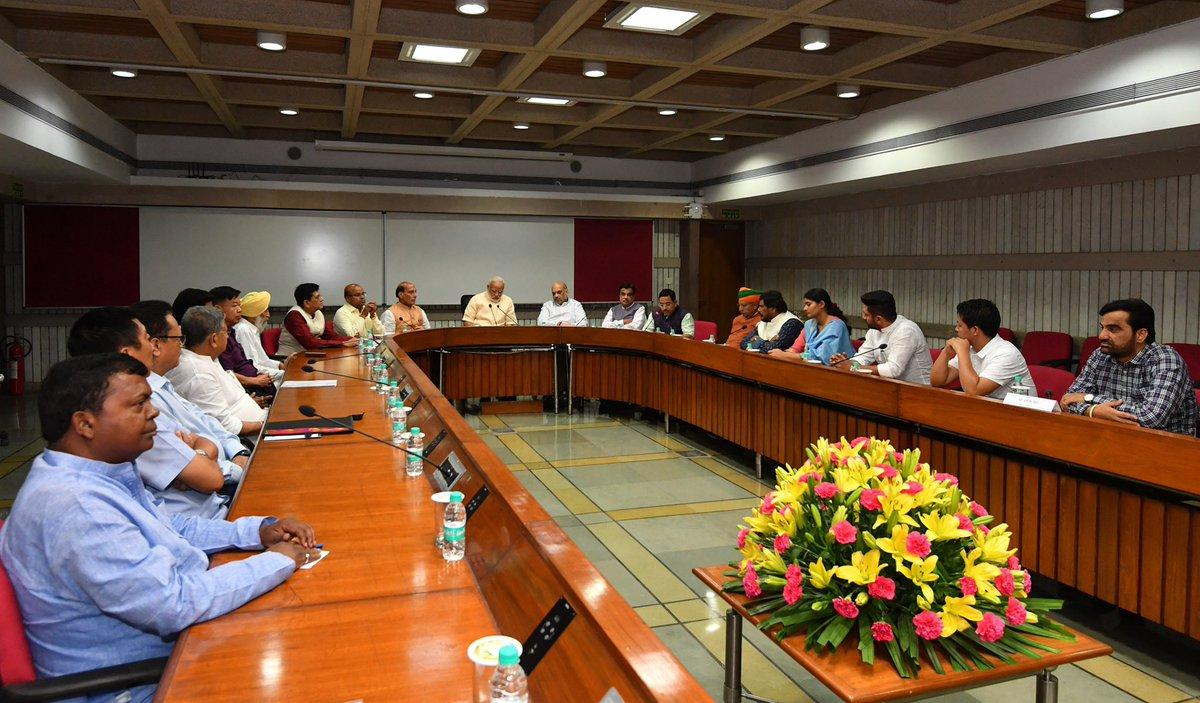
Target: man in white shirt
626,314
978,358
358,317
405,315
200,379
491,308
561,310
906,354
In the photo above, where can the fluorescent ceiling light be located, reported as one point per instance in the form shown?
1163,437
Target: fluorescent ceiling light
124,72
471,7
538,100
289,111
436,53
716,137
847,90
272,41
654,18
423,95
520,125
440,150
595,69
667,111
1103,9
814,38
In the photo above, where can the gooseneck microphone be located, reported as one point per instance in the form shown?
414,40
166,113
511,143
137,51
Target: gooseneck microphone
310,369
506,315
309,411
864,351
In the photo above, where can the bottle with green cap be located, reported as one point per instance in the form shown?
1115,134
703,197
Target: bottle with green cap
1018,386
509,683
454,529
416,445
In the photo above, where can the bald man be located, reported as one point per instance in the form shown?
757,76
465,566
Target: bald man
358,317
561,310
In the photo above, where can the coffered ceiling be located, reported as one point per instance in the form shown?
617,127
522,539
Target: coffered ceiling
740,73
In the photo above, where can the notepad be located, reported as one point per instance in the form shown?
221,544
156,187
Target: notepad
309,384
314,562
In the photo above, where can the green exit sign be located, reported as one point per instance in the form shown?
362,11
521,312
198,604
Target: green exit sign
18,190
731,214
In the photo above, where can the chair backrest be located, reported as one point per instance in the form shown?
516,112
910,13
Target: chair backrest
934,353
1051,382
16,664
1090,345
1007,334
857,343
270,340
705,329
463,300
1191,356
1047,349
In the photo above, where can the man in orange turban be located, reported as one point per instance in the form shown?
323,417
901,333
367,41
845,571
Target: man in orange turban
748,320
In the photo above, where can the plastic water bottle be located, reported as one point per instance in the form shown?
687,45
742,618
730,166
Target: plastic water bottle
1018,386
394,388
454,529
382,377
416,444
509,683
399,435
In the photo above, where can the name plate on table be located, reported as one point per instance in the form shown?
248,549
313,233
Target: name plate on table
1046,405
449,473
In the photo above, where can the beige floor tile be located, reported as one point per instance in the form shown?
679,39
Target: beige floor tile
493,422
655,615
656,577
693,610
517,467
715,506
521,449
1133,681
734,476
580,426
565,492
759,675
538,465
673,444
605,460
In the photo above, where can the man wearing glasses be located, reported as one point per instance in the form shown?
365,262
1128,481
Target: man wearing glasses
194,464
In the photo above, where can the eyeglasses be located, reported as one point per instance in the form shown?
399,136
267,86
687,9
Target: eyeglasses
177,337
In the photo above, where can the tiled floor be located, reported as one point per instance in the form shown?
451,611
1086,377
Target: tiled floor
646,507
18,419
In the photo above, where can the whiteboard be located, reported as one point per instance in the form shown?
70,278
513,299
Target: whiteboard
452,255
273,250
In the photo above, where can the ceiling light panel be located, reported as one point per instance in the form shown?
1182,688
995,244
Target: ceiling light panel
438,53
271,41
539,100
659,19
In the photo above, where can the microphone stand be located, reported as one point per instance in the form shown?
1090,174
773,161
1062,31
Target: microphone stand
309,411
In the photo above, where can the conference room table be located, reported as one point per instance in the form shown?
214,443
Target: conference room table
1109,510
384,617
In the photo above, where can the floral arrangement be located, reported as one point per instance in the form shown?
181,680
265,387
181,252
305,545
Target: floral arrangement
862,539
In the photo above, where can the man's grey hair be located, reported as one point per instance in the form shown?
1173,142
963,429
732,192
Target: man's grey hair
199,322
496,279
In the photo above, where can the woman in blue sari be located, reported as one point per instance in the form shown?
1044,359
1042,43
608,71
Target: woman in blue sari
825,332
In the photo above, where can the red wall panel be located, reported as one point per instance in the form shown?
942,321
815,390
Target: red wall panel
609,253
78,257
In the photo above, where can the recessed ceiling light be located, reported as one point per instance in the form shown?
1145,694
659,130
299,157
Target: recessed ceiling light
667,111
124,72
423,95
520,125
814,38
538,100
289,111
437,53
716,137
595,69
654,18
471,7
847,90
1103,9
272,41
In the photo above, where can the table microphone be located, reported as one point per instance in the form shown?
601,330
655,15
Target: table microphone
310,369
507,316
864,351
309,411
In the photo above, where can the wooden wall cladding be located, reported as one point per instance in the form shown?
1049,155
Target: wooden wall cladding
475,375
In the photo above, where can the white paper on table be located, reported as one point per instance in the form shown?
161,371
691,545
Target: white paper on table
309,384
314,562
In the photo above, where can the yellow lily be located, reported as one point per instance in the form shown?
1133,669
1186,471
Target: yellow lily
863,569
893,501
856,474
958,614
983,573
940,526
994,545
818,575
897,544
922,573
769,561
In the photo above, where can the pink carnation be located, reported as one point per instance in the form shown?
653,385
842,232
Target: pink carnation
898,456
794,574
742,535
750,583
846,608
826,490
869,499
951,478
792,592
889,472
990,628
968,586
859,442
1015,612
928,625
914,487
768,504
1028,587
812,476
1004,582
882,632
918,544
984,529
978,510
964,523
1014,563
782,543
844,532
882,588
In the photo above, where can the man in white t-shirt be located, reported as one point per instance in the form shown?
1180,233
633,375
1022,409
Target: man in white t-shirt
904,354
978,358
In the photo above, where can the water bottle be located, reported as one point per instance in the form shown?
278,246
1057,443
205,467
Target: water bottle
509,683
454,528
399,435
416,445
394,388
1018,386
382,387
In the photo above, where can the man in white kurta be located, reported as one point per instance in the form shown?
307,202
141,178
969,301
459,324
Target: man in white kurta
200,378
561,310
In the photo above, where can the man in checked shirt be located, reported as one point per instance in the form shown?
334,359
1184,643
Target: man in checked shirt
1131,378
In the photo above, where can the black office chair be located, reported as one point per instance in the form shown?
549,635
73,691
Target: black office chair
462,303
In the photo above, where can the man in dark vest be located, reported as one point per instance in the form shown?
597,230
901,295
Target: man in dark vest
627,314
669,318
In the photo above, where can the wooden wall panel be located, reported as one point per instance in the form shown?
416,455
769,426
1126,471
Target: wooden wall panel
467,375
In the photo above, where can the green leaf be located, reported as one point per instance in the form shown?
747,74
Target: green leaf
1044,632
1043,603
866,643
956,660
903,667
1030,643
934,661
991,647
906,634
839,631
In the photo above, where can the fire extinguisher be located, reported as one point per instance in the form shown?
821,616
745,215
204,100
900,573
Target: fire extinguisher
15,350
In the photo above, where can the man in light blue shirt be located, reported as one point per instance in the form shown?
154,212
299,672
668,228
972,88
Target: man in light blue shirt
102,574
193,457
